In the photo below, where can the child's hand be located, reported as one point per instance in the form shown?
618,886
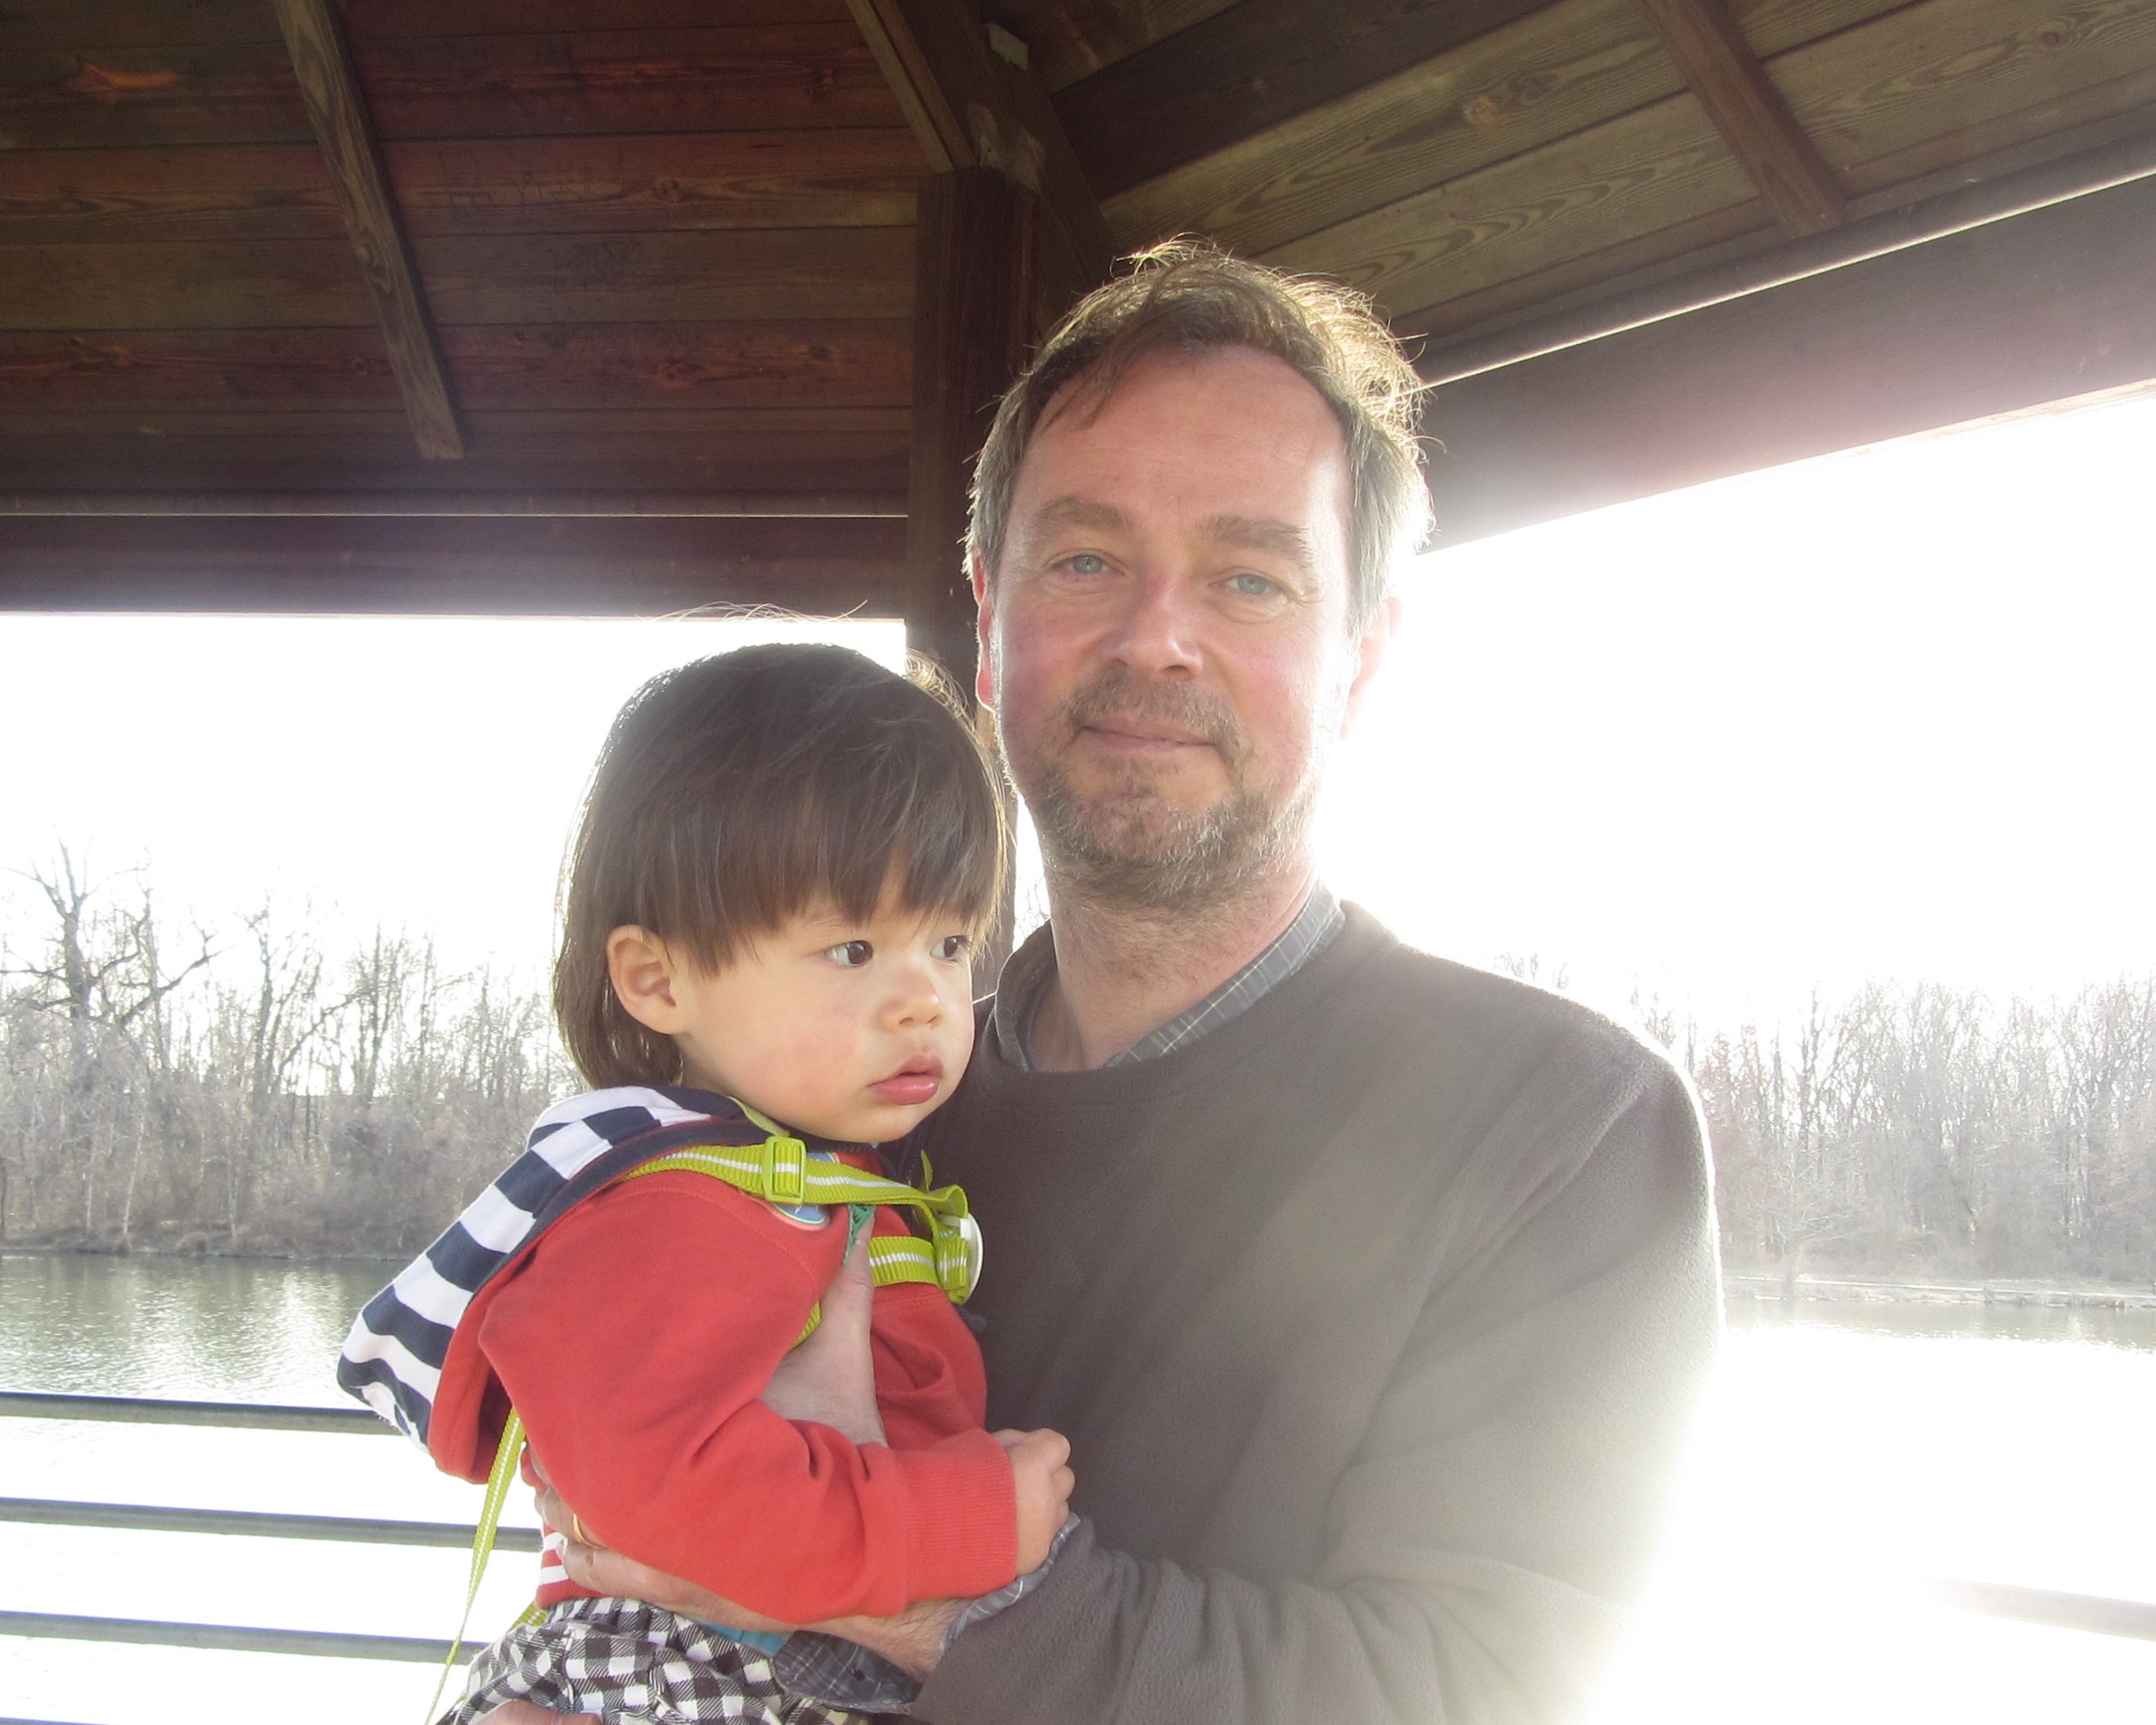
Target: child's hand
1041,1465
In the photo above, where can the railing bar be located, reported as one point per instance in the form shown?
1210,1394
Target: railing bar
224,1638
255,1524
2133,1618
262,1416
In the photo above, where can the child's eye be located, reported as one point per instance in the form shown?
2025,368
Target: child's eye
953,948
850,953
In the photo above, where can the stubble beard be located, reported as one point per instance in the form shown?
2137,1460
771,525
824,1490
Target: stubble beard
1130,846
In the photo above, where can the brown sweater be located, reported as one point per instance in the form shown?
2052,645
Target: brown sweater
1373,1319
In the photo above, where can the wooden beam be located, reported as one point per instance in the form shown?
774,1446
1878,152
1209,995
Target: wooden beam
1749,112
969,108
337,110
971,319
435,566
2042,307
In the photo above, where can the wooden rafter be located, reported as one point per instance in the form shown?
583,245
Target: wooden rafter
1749,113
338,109
969,108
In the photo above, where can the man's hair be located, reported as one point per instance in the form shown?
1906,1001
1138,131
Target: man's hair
1188,297
737,792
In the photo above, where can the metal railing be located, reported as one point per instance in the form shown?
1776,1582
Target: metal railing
2101,1616
165,1518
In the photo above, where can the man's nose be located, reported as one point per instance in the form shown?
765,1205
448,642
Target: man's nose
1157,629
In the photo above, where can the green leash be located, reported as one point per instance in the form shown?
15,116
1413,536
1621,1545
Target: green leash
779,1170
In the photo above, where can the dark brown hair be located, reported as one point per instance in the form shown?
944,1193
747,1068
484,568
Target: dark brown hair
1186,297
739,791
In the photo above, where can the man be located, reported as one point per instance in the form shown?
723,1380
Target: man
1371,1290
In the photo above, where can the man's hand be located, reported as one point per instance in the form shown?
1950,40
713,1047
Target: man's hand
831,1378
1040,1466
912,1641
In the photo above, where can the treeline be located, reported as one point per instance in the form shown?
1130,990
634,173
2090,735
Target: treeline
248,1092
1923,1132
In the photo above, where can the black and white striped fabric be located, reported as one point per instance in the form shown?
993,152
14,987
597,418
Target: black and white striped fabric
623,1660
394,1357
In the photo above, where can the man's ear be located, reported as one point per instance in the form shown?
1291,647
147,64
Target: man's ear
1370,655
984,628
642,969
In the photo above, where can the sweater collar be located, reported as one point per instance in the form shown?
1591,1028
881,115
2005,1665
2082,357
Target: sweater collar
1030,968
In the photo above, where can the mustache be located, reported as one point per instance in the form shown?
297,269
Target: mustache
1119,695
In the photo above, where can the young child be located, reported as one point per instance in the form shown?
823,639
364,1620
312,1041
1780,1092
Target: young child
765,973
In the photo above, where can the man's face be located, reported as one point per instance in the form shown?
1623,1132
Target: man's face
1165,641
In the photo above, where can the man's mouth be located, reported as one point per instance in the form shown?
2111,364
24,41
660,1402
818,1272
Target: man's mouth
1142,734
915,1082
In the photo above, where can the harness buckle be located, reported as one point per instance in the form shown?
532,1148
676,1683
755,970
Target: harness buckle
786,1171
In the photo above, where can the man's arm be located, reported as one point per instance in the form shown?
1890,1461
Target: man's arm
1502,1507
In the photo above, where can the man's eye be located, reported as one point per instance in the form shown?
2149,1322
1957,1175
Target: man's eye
1250,584
953,948
1086,563
850,953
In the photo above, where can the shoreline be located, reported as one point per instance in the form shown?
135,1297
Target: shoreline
2009,1291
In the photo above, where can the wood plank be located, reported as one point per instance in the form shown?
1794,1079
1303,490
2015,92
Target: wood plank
1993,321
511,367
973,316
697,277
1558,70
1654,169
706,277
1253,66
338,113
1625,195
1948,78
27,24
435,565
184,94
1725,74
639,183
748,78
679,450
969,108
409,18
550,506
252,286
1070,39
745,78
152,23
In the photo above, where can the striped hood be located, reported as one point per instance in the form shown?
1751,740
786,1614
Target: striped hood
393,1360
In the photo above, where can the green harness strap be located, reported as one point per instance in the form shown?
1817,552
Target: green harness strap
779,1170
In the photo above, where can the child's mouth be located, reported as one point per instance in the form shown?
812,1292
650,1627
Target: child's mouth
915,1082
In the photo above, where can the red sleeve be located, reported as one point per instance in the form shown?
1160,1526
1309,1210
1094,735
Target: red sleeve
634,1341
930,1385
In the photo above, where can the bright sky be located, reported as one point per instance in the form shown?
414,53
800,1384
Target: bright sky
1884,714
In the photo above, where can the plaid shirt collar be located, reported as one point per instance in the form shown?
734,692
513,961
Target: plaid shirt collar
1026,976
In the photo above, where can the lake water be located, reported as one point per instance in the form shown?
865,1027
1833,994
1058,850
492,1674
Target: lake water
1841,1458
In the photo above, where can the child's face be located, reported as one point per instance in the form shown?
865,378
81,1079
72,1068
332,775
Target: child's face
850,1030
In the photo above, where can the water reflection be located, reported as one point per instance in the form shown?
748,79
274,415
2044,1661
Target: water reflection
243,1330
2004,1319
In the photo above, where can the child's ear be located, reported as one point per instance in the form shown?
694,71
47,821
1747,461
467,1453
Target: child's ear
642,970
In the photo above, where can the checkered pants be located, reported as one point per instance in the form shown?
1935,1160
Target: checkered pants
626,1661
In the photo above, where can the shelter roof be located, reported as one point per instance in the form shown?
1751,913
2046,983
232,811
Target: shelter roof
530,304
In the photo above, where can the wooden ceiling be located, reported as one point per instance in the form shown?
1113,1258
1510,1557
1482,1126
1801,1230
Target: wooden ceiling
612,304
